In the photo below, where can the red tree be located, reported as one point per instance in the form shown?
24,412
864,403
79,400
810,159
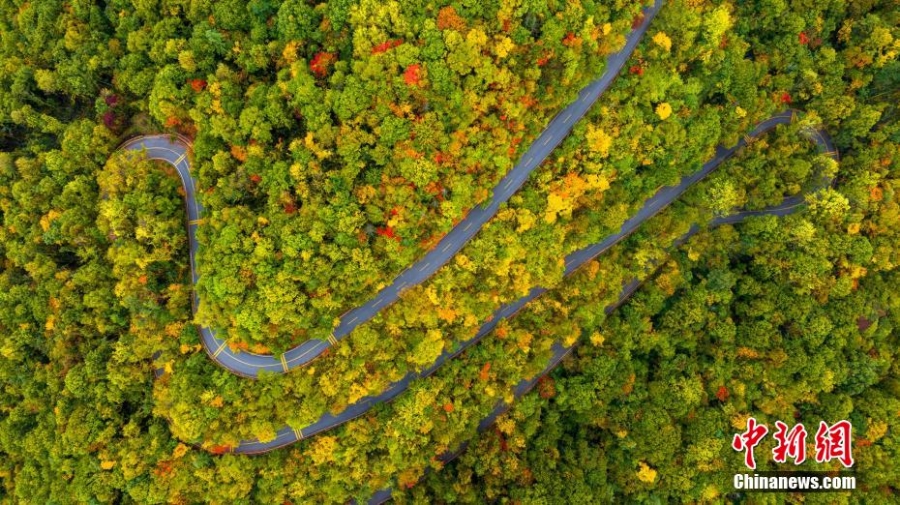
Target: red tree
413,75
320,62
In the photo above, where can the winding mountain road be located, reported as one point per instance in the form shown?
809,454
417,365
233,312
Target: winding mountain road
249,364
175,151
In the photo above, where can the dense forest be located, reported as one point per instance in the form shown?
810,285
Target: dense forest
335,142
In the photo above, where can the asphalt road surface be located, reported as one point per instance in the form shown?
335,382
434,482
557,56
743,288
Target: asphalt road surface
175,151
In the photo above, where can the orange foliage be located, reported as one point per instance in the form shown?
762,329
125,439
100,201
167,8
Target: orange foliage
413,75
198,84
163,468
448,18
483,375
876,194
544,58
436,190
239,153
320,62
385,46
387,232
219,449
529,101
570,40
722,393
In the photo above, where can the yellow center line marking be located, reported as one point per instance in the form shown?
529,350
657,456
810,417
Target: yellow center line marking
284,364
298,433
220,349
195,221
180,159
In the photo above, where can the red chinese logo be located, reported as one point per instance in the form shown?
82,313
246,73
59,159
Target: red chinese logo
791,444
833,442
748,441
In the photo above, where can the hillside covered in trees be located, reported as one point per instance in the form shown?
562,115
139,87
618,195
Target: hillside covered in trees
334,143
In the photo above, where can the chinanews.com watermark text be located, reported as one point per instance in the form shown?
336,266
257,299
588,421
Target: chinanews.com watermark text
794,481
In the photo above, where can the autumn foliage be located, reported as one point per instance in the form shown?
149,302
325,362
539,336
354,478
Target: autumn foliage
320,63
385,46
387,232
449,19
722,393
336,144
413,75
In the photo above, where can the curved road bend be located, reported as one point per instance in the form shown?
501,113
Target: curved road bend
159,148
249,364
559,352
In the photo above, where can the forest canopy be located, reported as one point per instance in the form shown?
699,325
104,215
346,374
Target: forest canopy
334,143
